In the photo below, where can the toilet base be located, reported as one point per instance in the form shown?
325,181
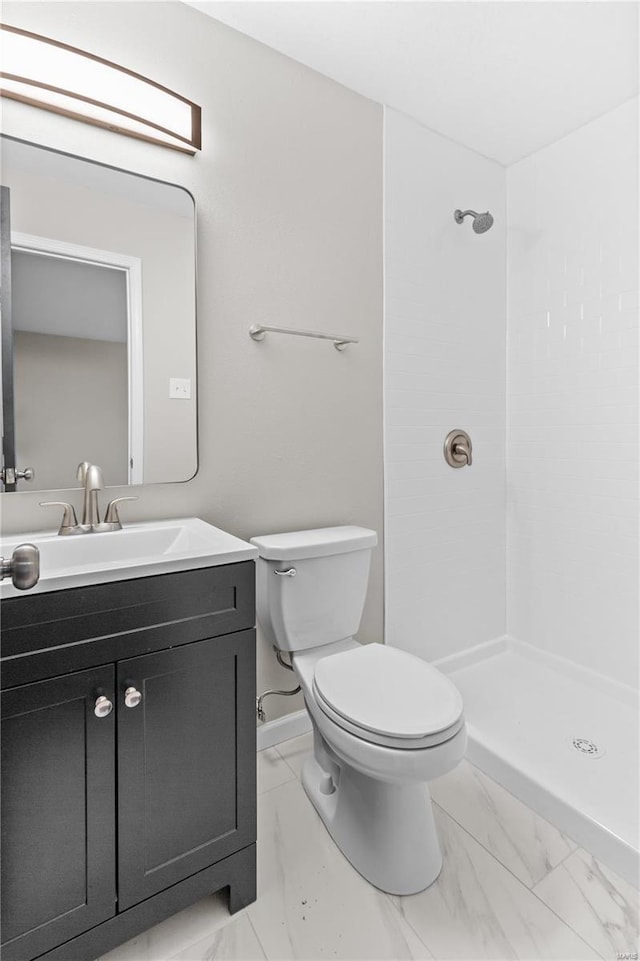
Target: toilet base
386,830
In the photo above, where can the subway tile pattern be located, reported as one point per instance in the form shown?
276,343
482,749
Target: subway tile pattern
444,367
572,440
511,887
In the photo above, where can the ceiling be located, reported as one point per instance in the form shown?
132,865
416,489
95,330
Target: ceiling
504,78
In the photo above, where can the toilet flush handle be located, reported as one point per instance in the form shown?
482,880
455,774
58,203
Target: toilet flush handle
290,573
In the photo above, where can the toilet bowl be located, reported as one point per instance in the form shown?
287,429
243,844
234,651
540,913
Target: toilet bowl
384,721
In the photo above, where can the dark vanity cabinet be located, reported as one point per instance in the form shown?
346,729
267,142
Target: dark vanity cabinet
58,817
128,757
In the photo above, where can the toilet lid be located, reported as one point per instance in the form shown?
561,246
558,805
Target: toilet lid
388,691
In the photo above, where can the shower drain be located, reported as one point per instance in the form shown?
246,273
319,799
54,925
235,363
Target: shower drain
587,747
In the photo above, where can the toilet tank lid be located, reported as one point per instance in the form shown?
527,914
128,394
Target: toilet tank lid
297,545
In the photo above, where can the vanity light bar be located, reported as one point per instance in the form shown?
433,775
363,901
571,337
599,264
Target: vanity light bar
55,76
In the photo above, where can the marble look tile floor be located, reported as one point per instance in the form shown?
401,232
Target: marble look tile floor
512,886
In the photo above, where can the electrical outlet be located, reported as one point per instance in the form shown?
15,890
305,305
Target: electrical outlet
180,388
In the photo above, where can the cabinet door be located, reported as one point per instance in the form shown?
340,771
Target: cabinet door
186,762
58,818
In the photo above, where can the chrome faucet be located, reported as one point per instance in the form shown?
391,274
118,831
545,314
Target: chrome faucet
93,482
90,476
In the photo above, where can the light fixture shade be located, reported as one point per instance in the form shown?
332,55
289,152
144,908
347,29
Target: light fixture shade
58,77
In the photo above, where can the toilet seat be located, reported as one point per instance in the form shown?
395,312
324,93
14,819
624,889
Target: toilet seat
387,696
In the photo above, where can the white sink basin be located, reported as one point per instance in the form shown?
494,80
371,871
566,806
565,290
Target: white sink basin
138,550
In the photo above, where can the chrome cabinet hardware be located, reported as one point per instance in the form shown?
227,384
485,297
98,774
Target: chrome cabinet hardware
103,706
69,523
458,449
290,573
9,475
132,697
23,567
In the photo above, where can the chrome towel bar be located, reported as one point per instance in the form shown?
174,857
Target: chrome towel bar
257,332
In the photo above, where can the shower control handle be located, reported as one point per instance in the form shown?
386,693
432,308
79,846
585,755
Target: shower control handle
458,449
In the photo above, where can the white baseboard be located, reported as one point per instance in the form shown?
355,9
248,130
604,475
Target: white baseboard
282,729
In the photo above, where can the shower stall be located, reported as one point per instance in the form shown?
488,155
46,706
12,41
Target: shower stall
518,574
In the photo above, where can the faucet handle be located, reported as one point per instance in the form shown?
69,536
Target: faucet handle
69,524
112,516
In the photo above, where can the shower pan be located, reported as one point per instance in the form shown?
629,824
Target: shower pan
560,738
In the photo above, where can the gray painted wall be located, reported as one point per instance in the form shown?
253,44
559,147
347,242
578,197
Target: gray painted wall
70,396
289,193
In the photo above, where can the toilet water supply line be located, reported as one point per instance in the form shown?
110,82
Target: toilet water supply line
259,708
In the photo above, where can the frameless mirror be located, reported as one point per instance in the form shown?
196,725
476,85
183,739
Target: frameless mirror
98,322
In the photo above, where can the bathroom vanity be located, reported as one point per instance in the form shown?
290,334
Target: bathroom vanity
128,746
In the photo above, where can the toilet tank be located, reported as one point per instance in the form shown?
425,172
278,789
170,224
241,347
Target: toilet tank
322,601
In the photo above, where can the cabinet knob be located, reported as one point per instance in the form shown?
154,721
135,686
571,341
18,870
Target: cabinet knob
132,697
103,706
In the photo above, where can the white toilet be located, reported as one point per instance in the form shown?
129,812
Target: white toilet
384,721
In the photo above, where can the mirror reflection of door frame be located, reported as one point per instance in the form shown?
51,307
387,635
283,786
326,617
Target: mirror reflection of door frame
132,267
7,406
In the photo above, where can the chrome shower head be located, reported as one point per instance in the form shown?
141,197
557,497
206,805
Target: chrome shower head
481,222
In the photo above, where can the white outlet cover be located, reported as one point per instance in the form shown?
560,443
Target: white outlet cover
180,388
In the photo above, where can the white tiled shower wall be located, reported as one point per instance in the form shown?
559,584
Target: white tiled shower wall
565,576
572,437
444,368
